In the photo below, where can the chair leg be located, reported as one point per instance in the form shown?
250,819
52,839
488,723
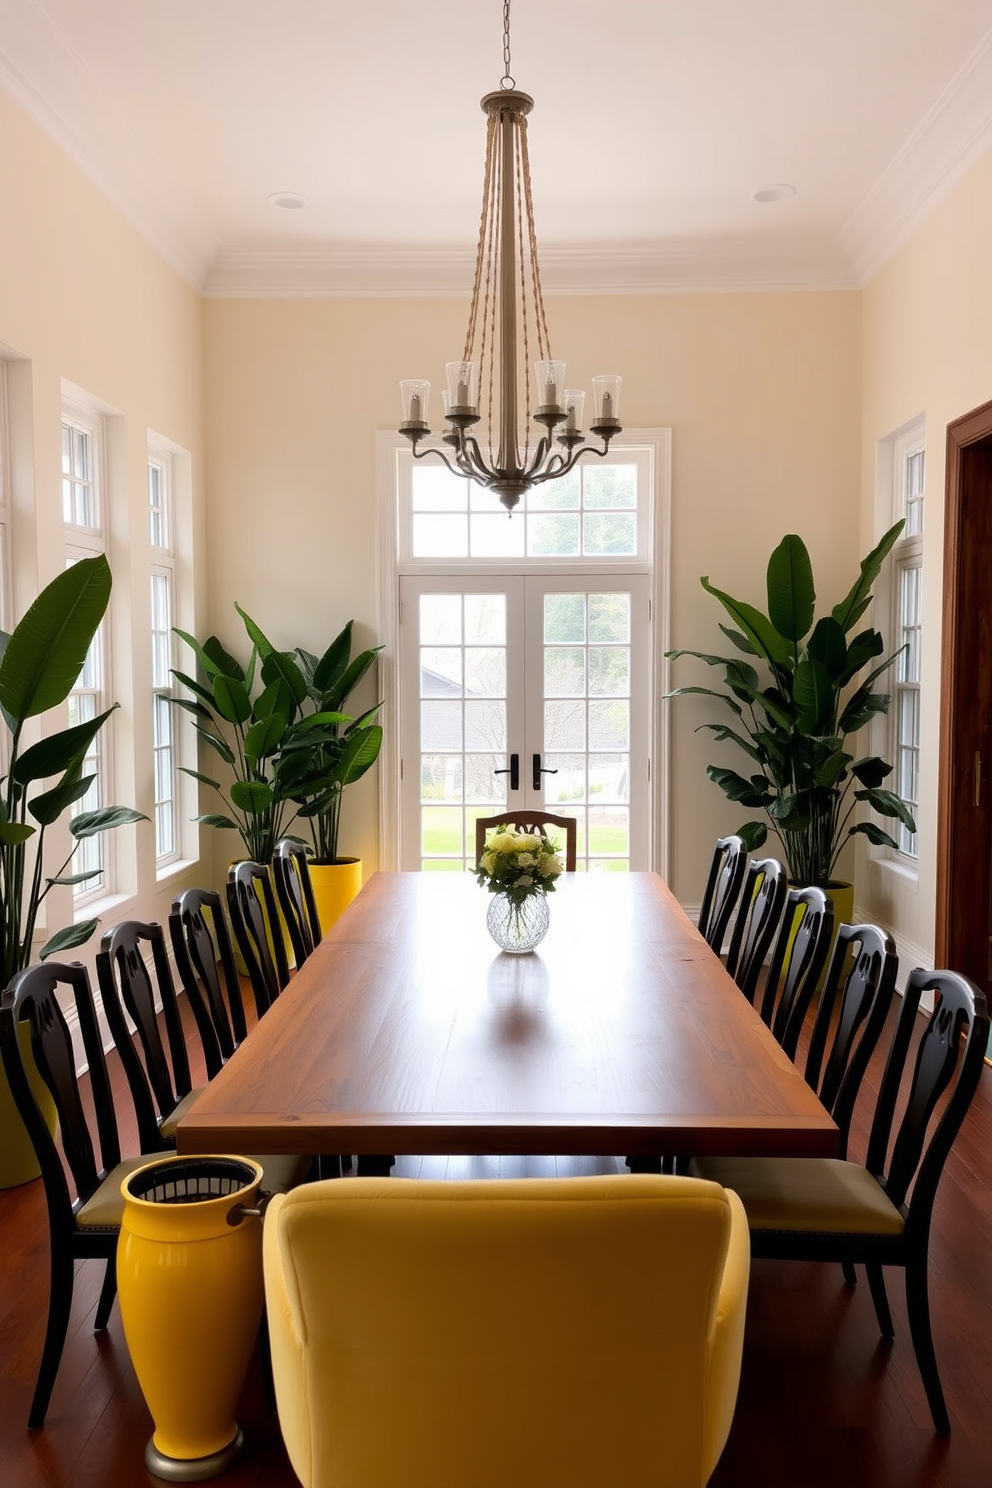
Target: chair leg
876,1285
918,1307
59,1304
850,1275
107,1294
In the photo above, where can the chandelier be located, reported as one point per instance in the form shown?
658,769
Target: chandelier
502,328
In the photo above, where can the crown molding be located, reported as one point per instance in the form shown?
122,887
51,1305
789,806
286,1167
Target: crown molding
31,46
948,141
680,267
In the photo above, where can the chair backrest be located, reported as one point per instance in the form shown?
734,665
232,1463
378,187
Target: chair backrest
464,1293
530,821
201,945
295,893
867,954
157,1069
32,998
723,889
255,921
798,959
949,1059
762,902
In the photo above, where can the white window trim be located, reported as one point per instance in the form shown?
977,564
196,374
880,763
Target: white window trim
87,542
179,531
655,558
891,453
163,565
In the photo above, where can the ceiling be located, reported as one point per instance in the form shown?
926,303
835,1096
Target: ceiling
655,123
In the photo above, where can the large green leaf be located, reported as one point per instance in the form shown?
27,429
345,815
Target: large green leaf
874,833
203,779
814,696
334,660
203,693
231,699
866,645
226,664
871,771
13,833
349,680
218,745
47,807
259,640
252,796
725,735
887,803
740,641
828,646
68,939
863,706
361,751
88,823
753,834
756,627
265,736
47,649
854,604
736,788
203,656
707,692
791,595
281,666
56,753
211,819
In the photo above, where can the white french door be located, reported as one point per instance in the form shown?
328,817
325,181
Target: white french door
525,690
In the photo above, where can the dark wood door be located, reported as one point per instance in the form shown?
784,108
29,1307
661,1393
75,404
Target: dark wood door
964,831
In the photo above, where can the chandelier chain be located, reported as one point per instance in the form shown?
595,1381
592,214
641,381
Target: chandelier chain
507,80
544,340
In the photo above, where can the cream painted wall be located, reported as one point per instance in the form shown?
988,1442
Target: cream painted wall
762,393
927,350
84,298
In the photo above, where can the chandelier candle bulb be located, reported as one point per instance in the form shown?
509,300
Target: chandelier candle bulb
574,400
414,394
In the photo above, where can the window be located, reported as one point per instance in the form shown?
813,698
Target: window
163,606
6,619
598,512
909,483
82,464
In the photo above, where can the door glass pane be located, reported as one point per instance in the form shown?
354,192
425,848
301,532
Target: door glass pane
587,719
463,682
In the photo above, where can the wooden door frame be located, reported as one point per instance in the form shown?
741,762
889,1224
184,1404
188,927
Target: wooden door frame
961,433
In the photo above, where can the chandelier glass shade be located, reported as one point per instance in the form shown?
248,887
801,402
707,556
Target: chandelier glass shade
506,326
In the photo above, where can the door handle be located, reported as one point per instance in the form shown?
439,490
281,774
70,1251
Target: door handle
513,771
540,770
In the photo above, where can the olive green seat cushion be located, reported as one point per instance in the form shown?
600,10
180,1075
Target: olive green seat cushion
823,1195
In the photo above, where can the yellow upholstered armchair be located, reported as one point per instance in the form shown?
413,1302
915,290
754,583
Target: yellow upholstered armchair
557,1333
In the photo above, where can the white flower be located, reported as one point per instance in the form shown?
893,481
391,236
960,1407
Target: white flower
525,881
525,860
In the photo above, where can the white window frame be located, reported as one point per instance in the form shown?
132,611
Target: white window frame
393,460
87,542
908,448
163,568
178,561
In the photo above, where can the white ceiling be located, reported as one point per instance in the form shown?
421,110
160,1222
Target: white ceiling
655,122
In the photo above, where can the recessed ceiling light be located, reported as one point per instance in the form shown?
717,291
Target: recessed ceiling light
290,201
776,192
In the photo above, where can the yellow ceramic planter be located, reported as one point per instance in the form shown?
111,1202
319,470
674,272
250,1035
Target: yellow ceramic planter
335,885
190,1287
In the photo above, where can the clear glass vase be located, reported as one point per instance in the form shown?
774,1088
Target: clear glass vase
520,926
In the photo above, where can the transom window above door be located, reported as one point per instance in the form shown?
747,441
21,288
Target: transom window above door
597,513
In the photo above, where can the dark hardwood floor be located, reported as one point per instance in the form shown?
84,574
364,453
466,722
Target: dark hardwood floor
823,1403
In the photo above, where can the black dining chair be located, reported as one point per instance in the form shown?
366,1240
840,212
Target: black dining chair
761,905
295,894
201,945
831,1209
158,1070
797,962
257,930
83,1195
530,821
723,889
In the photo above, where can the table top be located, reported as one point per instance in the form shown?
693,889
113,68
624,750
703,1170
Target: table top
408,1031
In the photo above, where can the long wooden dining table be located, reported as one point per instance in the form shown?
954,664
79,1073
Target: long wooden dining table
408,1031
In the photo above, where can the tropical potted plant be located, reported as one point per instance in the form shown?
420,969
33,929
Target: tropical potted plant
324,753
41,660
244,714
795,710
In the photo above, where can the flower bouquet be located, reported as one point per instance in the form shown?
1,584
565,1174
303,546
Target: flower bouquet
520,869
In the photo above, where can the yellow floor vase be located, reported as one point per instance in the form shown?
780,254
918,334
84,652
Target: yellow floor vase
190,1286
